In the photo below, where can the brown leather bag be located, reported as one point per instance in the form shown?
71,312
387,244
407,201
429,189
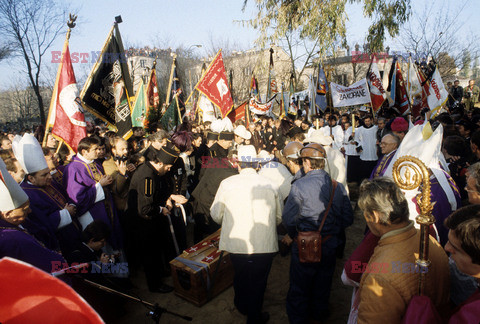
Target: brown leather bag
310,243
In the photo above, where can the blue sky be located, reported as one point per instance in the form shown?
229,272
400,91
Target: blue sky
182,22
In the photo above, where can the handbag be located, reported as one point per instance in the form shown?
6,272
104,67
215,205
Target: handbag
310,242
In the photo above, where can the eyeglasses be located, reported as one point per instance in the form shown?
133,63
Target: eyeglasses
383,143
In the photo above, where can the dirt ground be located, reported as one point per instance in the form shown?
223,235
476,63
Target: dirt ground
221,308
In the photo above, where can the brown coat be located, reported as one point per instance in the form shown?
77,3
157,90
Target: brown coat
119,185
390,283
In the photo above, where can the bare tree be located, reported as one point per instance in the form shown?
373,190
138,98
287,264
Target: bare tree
438,32
5,51
31,27
302,53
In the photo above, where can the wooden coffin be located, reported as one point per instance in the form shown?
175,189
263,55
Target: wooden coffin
202,271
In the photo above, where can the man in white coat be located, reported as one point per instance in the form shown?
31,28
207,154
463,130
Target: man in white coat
335,131
249,208
367,145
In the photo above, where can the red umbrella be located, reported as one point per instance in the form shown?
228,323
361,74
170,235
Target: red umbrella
29,295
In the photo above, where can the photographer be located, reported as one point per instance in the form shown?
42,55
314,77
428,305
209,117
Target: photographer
102,265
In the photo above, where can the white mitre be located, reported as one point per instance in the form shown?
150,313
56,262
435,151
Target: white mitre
29,153
11,195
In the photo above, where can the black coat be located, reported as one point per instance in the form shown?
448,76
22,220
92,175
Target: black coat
147,192
214,172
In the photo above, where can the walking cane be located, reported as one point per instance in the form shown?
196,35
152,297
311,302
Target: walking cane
175,243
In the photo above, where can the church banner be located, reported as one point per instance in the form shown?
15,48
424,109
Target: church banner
356,94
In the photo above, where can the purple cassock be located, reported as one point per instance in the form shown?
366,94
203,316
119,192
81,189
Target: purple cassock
46,204
79,179
382,165
17,243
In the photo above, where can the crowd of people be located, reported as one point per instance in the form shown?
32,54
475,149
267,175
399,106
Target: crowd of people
129,202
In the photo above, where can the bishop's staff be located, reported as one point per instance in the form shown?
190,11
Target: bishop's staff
408,173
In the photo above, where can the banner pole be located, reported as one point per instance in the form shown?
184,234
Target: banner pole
53,101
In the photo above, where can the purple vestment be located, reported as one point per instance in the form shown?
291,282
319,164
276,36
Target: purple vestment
80,179
382,165
442,208
46,204
18,244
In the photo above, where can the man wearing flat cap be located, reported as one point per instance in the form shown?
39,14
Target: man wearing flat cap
310,283
224,128
149,203
220,148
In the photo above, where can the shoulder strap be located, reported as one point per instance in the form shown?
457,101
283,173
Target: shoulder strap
334,186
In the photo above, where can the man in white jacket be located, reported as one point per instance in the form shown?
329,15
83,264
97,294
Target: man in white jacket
249,208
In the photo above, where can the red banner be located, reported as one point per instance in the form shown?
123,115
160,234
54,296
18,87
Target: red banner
153,98
401,99
214,85
69,123
238,113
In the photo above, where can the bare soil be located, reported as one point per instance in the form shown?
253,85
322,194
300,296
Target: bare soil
221,308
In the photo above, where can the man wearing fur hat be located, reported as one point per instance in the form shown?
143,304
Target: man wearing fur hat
149,201
52,210
15,241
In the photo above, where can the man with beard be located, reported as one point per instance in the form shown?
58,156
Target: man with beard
118,167
148,205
